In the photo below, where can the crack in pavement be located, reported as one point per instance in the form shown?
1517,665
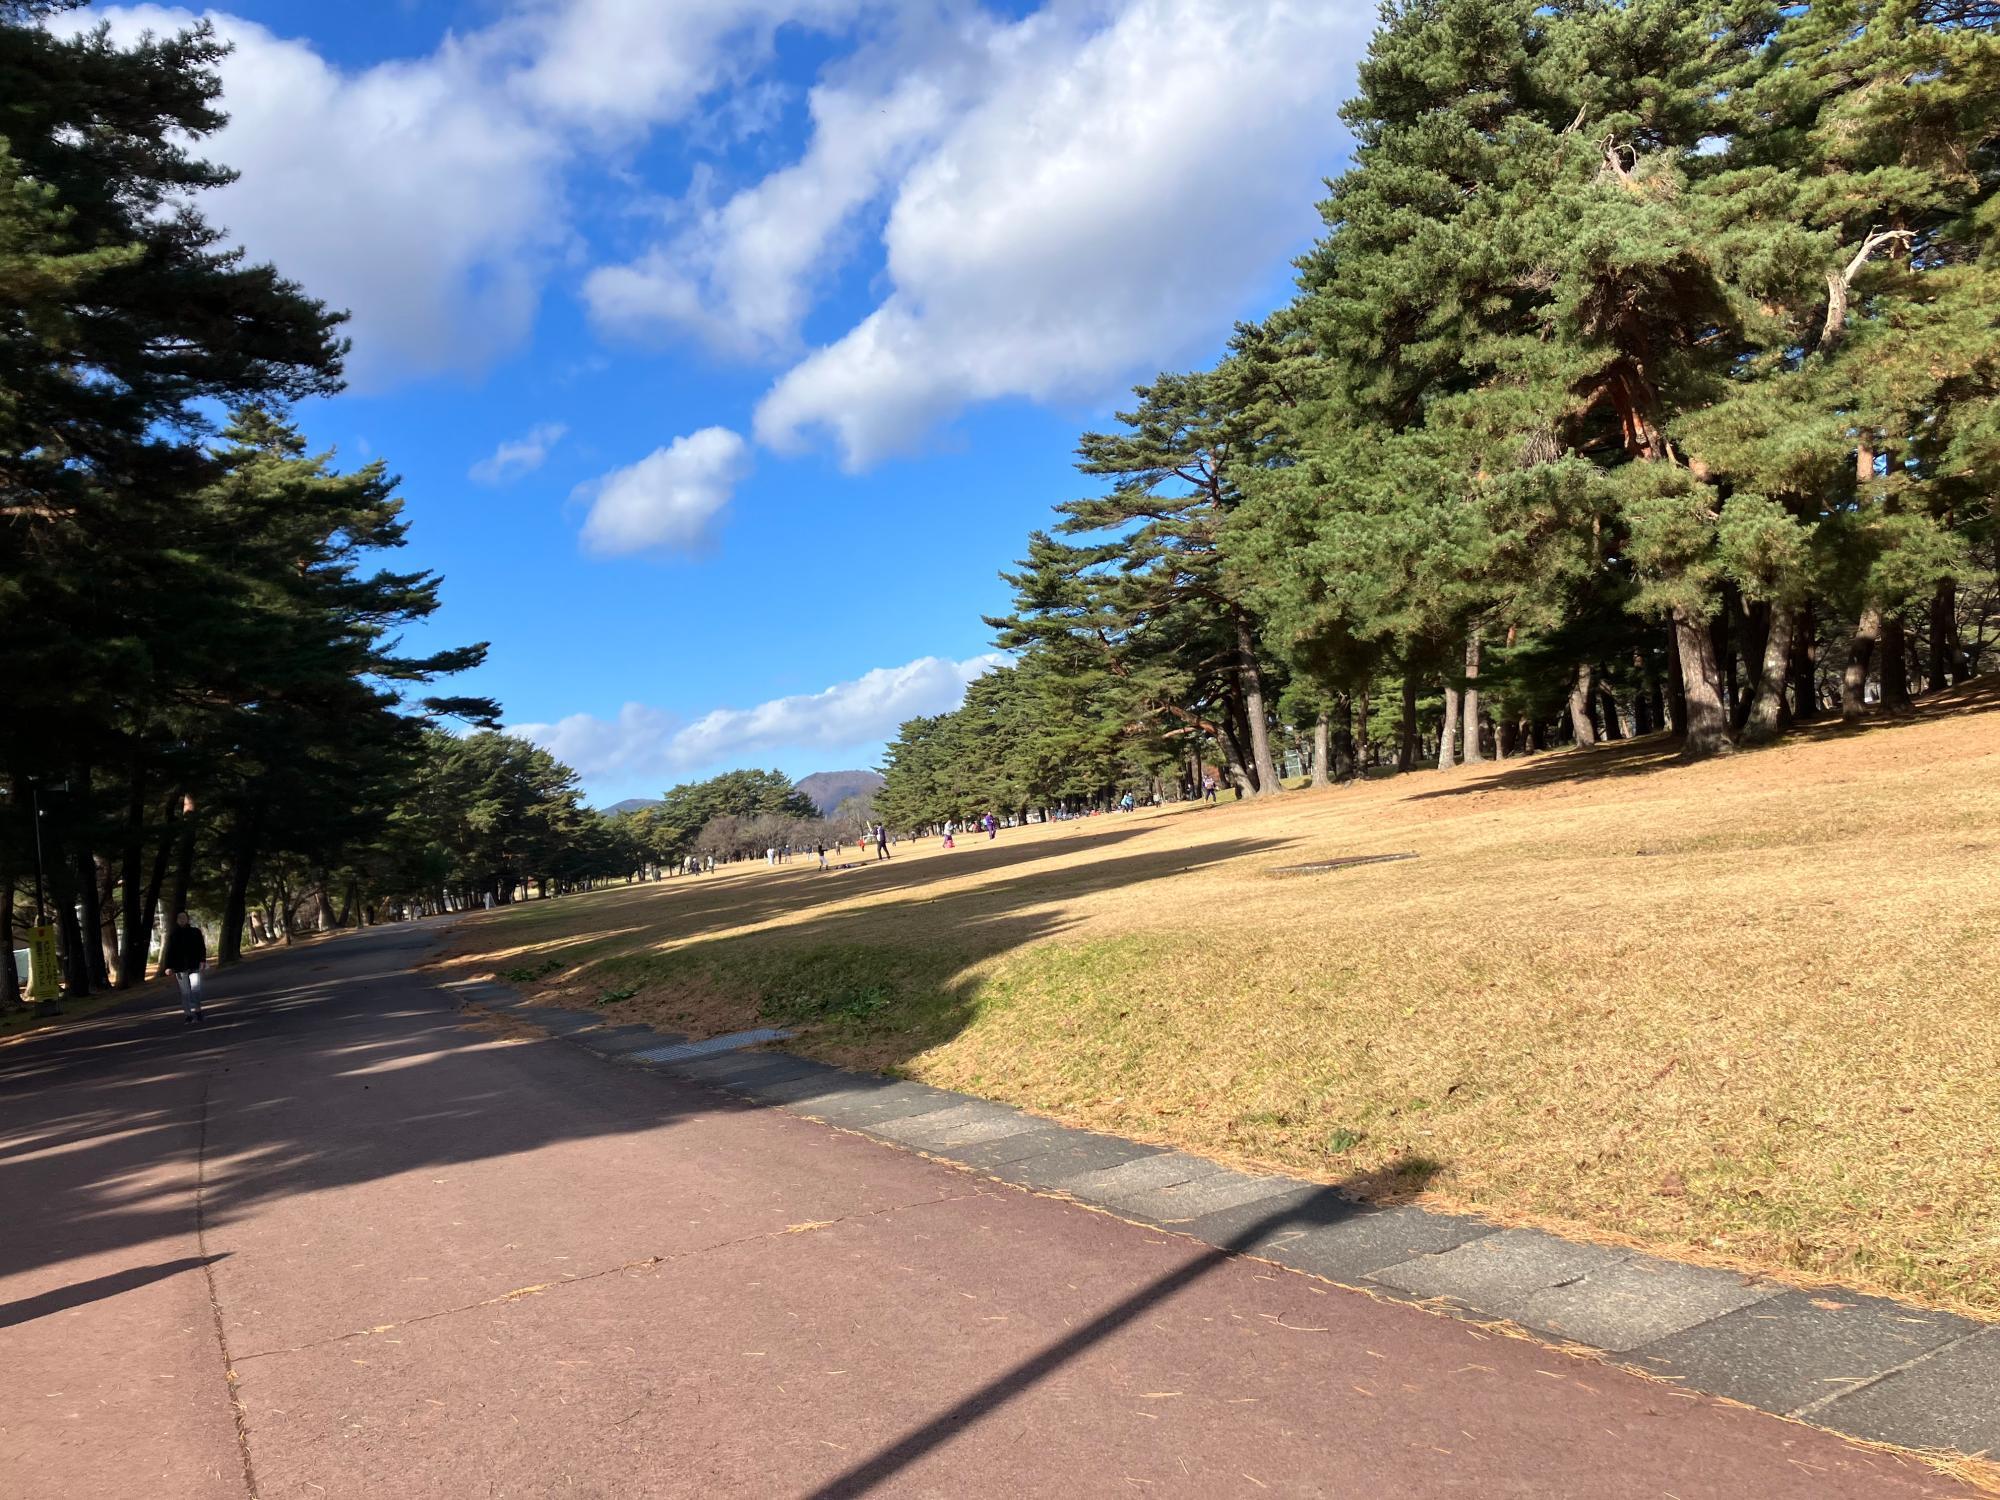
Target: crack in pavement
214,1297
645,1263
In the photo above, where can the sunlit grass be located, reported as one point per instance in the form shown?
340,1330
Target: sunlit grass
1747,1010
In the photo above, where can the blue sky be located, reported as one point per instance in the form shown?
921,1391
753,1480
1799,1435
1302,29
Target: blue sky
729,348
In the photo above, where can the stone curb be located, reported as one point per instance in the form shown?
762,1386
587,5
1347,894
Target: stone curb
1864,1366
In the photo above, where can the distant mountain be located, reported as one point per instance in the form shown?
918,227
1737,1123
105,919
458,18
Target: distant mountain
632,804
828,789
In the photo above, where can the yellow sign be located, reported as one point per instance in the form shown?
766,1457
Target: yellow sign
44,976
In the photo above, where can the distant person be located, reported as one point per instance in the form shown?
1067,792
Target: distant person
947,836
1208,787
881,843
992,828
819,848
186,952
1125,803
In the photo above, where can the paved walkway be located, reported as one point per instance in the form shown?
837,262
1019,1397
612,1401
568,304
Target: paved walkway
353,1240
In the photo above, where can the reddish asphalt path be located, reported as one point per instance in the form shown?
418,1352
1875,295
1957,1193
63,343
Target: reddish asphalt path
439,1259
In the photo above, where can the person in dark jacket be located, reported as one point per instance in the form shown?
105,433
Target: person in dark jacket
187,951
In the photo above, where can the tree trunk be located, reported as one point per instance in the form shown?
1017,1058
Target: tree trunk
1323,749
1725,650
92,903
1506,735
1268,782
1343,740
1233,767
1406,742
1448,736
1363,717
1947,663
1582,729
69,932
131,890
183,864
1614,721
1805,663
1236,727
1767,716
1756,637
150,914
1860,653
1708,731
1677,700
1474,753
10,978
1893,669
235,906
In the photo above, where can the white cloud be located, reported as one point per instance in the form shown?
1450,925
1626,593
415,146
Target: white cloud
741,274
863,713
518,456
410,193
615,65
669,499
1105,206
427,195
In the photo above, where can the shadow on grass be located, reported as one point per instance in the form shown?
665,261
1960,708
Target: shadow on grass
887,978
1660,752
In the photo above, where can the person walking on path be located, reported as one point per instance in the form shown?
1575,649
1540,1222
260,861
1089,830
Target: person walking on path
819,848
881,842
186,952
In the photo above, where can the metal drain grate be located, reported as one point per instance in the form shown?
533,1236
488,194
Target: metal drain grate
1320,867
688,1051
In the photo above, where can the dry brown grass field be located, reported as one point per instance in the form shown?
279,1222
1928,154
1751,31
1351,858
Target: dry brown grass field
1746,1011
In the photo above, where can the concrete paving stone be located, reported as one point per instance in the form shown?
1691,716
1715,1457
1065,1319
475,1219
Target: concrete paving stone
1352,1248
776,1085
820,1081
565,1022
1141,1174
1073,1154
670,1052
960,1124
998,1152
1639,1300
616,1041
1797,1348
1181,1203
1498,1273
879,1100
1949,1399
735,1069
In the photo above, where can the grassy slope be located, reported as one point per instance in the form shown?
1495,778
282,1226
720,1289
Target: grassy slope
1746,1010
